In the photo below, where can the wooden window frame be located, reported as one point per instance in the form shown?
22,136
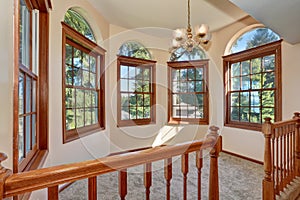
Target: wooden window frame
187,65
36,157
273,48
137,62
70,35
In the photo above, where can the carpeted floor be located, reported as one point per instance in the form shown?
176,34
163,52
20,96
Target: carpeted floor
239,179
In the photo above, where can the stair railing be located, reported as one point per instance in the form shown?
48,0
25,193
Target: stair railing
52,177
281,156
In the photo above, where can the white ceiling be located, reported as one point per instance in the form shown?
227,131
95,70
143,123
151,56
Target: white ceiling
282,16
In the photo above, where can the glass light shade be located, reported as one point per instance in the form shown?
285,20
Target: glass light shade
202,30
175,43
178,34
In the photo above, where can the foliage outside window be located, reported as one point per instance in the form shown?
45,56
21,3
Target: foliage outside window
136,91
253,84
135,50
83,80
188,92
182,54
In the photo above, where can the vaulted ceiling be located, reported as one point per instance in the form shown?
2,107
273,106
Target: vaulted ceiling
281,16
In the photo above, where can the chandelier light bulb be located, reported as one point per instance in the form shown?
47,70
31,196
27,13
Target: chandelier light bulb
203,30
178,34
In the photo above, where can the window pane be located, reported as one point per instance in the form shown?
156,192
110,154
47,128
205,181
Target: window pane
124,71
268,98
235,100
34,96
191,74
176,100
269,63
244,101
140,100
24,35
147,99
94,116
88,117
77,58
28,133
69,75
94,99
79,98
235,114
246,67
88,98
268,112
86,79
176,111
244,114
147,74
132,100
85,61
131,74
125,113
235,83
200,112
183,86
21,144
70,119
256,65
235,69
33,131
70,98
79,118
21,93
132,86
199,86
124,100
93,64
28,94
183,74
92,80
255,116
124,85
245,82
255,98
140,112
256,81
147,112
199,74
269,80
132,113
175,75
139,73
175,86
191,86
146,86
69,54
77,76
199,99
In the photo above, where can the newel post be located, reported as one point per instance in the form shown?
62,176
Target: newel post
4,173
268,182
297,141
214,154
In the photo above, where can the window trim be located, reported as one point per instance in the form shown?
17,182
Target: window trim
260,51
185,65
134,62
68,33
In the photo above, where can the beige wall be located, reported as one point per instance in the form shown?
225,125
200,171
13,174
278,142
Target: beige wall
6,80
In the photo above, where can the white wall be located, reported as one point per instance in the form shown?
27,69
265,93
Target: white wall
6,80
89,147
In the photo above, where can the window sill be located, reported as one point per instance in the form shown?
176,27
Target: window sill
82,132
141,122
246,126
37,161
175,121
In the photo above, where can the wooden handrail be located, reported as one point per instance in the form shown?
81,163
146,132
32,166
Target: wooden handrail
51,177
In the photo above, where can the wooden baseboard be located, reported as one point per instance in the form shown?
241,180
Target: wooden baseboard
243,157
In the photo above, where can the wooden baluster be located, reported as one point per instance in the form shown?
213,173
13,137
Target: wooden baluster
92,184
281,159
268,183
147,179
273,154
287,154
53,193
199,165
168,177
277,161
185,170
297,142
4,173
213,169
123,184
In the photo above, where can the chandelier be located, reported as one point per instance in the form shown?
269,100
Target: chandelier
184,38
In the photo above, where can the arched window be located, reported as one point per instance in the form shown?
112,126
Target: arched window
83,79
136,91
182,54
254,38
188,93
76,21
252,76
134,49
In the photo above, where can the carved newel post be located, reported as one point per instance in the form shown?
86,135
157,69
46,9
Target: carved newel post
4,173
297,142
268,182
214,154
